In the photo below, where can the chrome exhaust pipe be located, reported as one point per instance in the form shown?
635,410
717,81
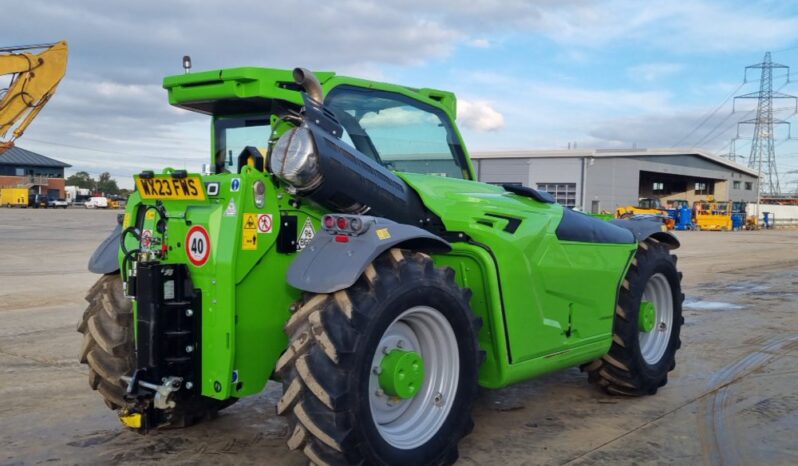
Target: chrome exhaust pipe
310,83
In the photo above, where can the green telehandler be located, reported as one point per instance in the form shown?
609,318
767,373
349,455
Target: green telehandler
342,246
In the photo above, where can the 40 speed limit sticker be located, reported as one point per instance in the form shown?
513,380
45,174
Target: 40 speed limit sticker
198,245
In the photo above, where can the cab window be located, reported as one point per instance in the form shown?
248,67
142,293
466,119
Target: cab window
400,133
232,135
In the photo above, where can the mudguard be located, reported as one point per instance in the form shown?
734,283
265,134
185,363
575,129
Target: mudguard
644,228
105,259
333,262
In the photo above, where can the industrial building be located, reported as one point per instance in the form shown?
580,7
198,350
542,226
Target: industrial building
41,175
597,180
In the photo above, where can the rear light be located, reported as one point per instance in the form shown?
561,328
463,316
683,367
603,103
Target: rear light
341,239
347,225
259,191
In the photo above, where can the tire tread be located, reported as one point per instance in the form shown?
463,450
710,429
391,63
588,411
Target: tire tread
317,408
616,372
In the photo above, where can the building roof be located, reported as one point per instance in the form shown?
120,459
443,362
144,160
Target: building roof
19,156
579,153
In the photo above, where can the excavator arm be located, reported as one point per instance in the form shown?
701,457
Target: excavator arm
34,78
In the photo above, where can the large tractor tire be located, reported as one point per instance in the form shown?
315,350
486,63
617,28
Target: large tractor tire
109,350
648,320
384,372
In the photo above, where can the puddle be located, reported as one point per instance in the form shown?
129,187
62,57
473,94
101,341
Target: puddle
701,305
736,287
749,287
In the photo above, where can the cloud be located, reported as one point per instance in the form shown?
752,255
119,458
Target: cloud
478,115
618,100
678,129
111,101
480,43
397,117
654,71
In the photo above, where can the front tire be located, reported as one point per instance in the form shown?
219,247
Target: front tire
646,328
338,406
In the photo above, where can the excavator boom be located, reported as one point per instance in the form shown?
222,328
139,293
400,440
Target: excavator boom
34,78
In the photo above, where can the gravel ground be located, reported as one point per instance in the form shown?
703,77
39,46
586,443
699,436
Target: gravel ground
731,400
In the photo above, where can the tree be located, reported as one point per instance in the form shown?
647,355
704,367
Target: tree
81,180
106,184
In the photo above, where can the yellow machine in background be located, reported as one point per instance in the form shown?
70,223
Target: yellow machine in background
714,216
34,78
645,206
14,197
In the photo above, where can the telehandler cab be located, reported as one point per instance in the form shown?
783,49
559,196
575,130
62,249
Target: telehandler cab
343,247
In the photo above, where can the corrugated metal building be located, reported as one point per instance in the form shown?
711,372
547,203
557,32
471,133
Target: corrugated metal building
603,179
41,175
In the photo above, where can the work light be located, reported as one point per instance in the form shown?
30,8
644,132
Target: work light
294,160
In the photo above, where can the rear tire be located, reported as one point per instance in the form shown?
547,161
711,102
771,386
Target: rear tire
338,414
638,361
108,350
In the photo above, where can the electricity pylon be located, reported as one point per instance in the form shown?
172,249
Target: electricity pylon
763,154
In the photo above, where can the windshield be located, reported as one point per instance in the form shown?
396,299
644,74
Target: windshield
232,135
400,133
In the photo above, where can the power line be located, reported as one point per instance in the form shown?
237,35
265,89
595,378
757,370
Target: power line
786,50
708,137
709,115
92,149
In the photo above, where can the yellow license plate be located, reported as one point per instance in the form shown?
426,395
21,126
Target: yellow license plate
189,188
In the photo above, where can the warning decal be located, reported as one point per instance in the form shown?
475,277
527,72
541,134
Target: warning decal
249,229
198,245
265,223
231,210
306,235
383,234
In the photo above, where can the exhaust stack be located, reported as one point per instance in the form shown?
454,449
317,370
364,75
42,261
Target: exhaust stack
310,83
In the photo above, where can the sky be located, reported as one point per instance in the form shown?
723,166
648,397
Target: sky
528,74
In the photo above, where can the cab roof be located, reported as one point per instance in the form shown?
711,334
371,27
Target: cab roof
253,90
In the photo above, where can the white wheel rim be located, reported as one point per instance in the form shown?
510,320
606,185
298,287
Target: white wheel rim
410,423
654,343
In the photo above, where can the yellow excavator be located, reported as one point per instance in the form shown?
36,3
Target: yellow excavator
34,78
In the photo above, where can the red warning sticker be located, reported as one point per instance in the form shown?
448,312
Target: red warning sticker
198,245
265,223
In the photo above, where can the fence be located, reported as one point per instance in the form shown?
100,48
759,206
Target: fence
784,215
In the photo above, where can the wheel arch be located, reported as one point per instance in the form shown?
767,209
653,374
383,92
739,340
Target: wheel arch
105,259
666,237
328,265
644,228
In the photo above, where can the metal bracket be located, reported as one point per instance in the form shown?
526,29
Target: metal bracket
162,392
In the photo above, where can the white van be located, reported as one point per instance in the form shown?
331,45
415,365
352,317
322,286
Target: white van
96,203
